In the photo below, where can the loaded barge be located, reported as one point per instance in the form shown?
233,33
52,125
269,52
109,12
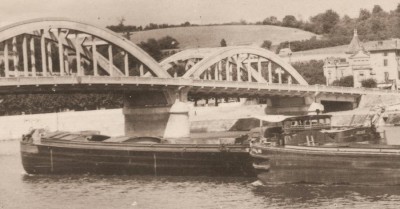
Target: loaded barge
89,152
307,149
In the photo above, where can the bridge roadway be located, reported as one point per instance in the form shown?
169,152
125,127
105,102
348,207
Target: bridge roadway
196,86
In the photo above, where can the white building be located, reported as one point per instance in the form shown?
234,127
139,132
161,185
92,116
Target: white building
377,60
336,68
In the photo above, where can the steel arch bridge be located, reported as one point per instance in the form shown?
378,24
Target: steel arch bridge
63,47
236,63
58,53
51,52
54,54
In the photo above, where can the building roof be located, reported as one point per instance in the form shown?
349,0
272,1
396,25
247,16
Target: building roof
392,44
359,54
335,60
355,44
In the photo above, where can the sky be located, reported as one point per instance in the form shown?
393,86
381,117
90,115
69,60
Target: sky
143,12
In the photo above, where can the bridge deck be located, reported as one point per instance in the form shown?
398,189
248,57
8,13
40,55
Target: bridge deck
197,86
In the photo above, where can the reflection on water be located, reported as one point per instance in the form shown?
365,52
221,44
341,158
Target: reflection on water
19,190
142,191
300,195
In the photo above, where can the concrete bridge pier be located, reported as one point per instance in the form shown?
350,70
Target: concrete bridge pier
178,125
162,113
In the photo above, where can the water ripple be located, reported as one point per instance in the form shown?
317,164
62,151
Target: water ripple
20,190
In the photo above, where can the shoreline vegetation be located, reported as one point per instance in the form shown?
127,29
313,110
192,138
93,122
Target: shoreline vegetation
375,24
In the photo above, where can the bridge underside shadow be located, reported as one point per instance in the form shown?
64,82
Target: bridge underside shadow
336,106
147,112
288,105
311,103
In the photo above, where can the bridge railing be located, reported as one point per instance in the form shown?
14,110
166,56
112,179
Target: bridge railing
358,90
135,80
59,80
132,80
291,87
20,81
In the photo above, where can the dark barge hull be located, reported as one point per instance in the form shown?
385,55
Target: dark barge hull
358,166
60,157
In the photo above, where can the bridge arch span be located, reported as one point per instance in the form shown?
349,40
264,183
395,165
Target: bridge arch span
252,64
72,39
190,56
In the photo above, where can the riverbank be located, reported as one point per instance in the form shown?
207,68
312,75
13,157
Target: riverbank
203,119
111,122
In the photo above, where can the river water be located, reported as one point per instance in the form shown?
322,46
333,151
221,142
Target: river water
20,190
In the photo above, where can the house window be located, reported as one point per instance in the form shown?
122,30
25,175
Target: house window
385,62
386,77
385,54
360,76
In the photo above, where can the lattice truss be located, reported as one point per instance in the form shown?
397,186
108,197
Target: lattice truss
68,48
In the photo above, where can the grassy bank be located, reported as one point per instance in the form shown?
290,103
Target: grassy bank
210,36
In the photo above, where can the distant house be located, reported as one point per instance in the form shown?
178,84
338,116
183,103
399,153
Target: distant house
285,54
378,60
336,68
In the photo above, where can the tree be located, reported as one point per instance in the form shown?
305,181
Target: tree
311,71
369,83
325,21
344,28
223,43
266,44
314,43
347,81
272,20
377,9
168,42
151,26
377,25
121,21
152,47
289,21
185,24
177,69
33,103
364,15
